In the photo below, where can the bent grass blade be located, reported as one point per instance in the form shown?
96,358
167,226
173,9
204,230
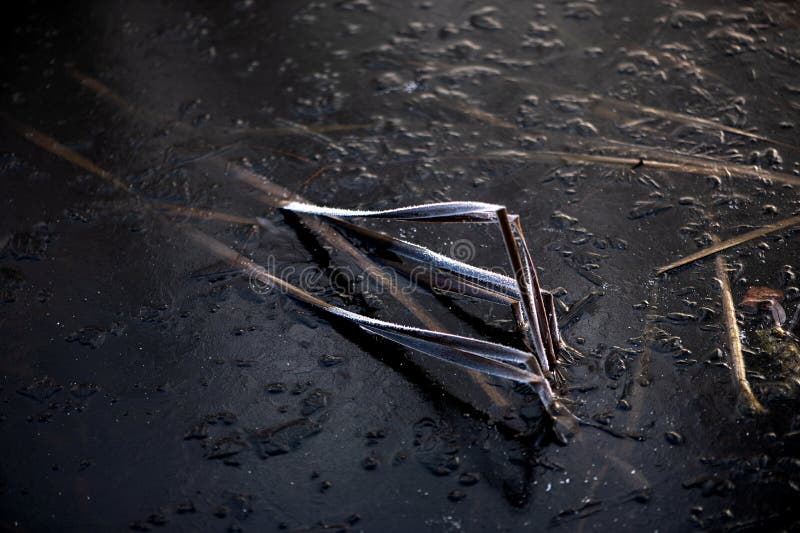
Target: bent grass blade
528,305
439,212
747,400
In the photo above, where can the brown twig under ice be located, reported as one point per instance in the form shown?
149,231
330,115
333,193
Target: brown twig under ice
695,166
729,243
747,400
715,166
51,145
687,119
106,93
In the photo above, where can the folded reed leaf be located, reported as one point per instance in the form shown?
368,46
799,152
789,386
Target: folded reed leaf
443,282
481,348
532,316
465,359
540,308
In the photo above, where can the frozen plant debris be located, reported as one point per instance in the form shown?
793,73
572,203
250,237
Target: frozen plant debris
534,308
524,289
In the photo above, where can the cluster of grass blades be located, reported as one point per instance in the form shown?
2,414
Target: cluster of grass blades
534,308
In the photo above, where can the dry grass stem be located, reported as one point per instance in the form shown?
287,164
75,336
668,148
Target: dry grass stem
747,400
720,246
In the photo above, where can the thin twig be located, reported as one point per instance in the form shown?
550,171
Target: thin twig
700,167
100,89
729,243
477,113
54,147
715,166
288,128
745,396
688,119
195,212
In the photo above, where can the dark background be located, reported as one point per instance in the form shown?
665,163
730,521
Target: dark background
135,369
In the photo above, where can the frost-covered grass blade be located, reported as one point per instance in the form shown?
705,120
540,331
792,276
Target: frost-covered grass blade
439,212
487,279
